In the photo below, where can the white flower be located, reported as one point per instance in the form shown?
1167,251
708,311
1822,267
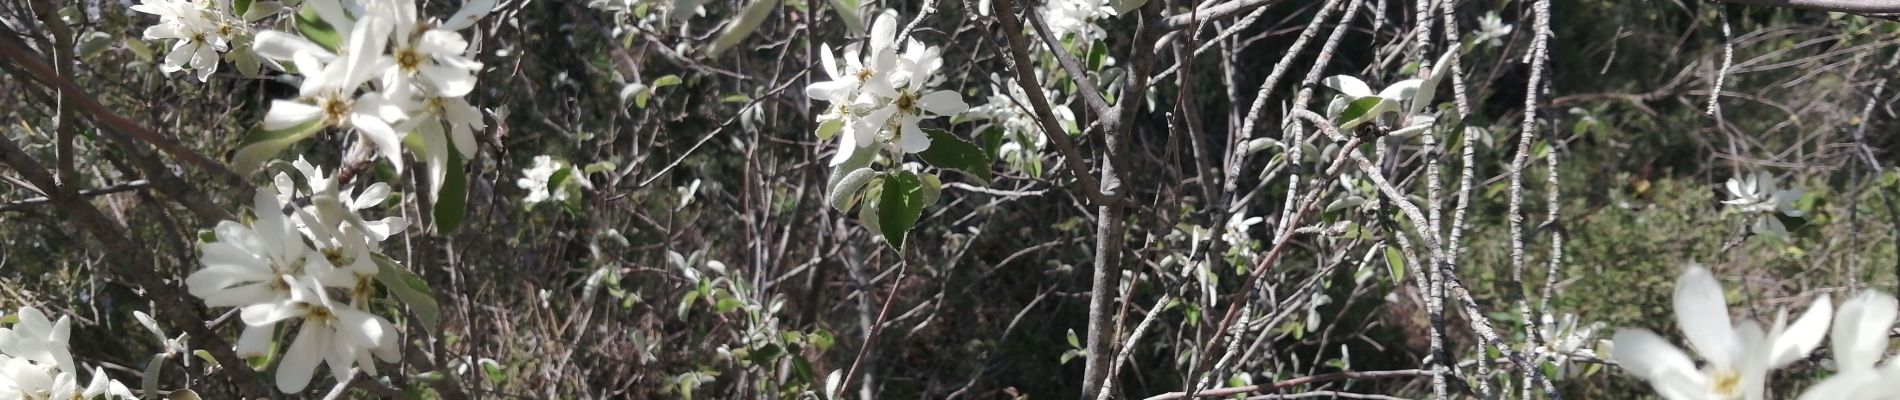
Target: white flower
1008,108
328,94
1737,357
1491,28
1237,235
66,386
1859,340
39,340
334,334
336,212
536,180
911,103
1565,338
200,33
1757,195
1077,17
423,55
256,268
21,379
854,87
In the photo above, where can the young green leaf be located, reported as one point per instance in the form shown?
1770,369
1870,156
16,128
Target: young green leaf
899,206
947,151
742,27
844,193
665,81
259,145
410,290
451,201
1395,262
1363,110
314,28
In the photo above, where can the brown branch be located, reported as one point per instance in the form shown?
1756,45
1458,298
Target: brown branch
1032,88
119,188
16,52
1304,380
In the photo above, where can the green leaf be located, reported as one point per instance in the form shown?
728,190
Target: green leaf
726,305
94,43
829,129
260,145
1396,263
139,48
859,159
932,187
844,192
899,206
1362,110
410,290
451,202
1098,55
947,151
1074,342
639,92
599,167
316,29
665,81
848,12
206,356
181,394
742,27
241,6
1122,7
153,369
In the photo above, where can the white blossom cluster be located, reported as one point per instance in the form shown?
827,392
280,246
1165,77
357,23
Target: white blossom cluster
202,30
538,180
879,94
36,362
1080,18
1737,358
391,73
312,262
1008,108
1757,197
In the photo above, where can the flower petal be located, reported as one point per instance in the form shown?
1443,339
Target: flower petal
1802,337
1703,315
293,373
1860,330
1648,356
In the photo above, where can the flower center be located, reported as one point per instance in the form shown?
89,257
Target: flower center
336,109
1726,383
865,74
225,29
905,103
317,313
408,59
